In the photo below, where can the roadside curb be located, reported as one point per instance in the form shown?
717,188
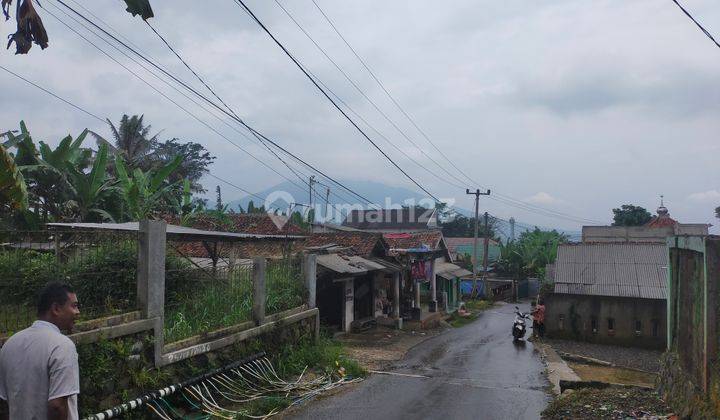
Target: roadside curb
593,361
556,369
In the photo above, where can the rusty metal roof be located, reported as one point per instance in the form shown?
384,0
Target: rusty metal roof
637,270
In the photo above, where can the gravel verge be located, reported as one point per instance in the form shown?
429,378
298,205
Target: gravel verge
629,357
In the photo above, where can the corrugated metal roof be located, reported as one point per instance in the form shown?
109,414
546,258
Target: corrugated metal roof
450,271
173,230
345,264
637,270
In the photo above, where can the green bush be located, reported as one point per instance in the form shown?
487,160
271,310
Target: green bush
326,354
23,273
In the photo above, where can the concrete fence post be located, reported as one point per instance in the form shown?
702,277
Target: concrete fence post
151,268
311,279
259,292
151,279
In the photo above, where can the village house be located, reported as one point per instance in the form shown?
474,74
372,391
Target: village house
610,293
422,254
612,287
356,287
406,219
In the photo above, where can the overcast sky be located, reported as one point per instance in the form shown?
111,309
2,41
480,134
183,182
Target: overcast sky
576,106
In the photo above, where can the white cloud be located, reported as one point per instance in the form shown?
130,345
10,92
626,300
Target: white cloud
710,196
543,198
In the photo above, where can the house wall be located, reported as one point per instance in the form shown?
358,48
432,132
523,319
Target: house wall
690,369
571,317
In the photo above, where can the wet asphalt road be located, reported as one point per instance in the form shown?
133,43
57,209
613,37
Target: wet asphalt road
473,372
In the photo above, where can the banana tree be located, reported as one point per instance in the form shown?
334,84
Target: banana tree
146,193
92,189
13,190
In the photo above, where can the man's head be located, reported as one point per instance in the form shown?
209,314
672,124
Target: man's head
57,303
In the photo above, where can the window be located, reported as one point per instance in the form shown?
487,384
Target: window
561,322
638,327
655,328
594,325
611,326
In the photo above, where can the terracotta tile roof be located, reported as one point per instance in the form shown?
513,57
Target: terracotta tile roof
661,221
258,223
359,243
431,238
261,224
405,218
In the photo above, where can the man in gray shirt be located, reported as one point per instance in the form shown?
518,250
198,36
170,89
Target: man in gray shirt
39,374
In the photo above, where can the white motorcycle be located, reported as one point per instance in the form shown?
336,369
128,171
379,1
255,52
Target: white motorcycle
519,329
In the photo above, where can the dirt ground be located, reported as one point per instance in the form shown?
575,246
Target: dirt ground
377,348
614,375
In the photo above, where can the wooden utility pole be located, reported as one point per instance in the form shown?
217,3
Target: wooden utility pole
477,195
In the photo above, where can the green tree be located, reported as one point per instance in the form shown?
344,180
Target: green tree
464,227
528,256
131,141
146,194
13,190
630,215
195,163
92,189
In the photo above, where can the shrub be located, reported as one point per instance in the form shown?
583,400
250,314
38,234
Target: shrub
24,273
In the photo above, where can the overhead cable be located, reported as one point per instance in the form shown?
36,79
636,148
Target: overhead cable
344,114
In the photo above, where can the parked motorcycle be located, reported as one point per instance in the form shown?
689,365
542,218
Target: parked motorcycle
518,329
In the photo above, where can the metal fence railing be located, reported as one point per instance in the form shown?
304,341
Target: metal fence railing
100,266
202,295
284,284
208,287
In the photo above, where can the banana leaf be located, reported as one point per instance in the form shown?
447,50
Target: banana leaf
13,189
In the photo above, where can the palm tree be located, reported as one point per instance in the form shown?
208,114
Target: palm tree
131,141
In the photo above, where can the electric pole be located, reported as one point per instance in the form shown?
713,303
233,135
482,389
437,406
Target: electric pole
327,203
477,195
512,228
311,213
485,246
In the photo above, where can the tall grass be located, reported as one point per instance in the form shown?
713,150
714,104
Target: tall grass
227,299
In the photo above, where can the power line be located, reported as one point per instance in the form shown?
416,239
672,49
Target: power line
259,140
52,94
172,101
498,197
85,111
374,105
705,31
213,104
354,124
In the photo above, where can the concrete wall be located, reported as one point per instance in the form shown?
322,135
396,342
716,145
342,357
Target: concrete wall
690,369
625,234
571,317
